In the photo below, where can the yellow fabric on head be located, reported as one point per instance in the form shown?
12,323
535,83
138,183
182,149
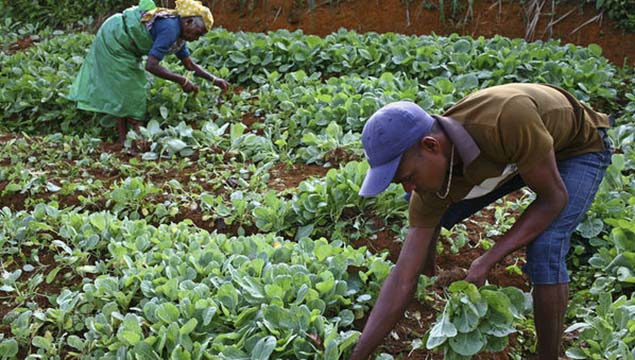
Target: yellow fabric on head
185,8
149,15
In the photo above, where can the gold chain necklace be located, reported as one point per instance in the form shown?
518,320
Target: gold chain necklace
447,189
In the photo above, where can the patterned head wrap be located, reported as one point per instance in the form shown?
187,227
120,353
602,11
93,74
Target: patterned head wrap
184,8
187,8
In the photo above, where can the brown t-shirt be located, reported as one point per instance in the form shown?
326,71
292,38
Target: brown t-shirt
505,129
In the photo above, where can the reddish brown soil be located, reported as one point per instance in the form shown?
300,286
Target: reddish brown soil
21,44
341,156
383,16
44,265
393,16
285,176
6,137
385,241
572,22
250,119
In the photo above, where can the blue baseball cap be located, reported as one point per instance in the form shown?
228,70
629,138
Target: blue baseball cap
387,135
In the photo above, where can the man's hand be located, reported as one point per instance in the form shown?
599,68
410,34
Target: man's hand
189,86
396,291
551,197
477,274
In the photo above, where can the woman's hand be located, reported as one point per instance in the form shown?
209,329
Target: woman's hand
189,86
222,84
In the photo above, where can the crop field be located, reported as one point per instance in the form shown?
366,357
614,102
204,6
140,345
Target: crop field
236,231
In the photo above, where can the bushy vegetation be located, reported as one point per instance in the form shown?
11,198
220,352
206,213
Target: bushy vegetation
122,241
477,320
435,71
175,290
622,11
60,13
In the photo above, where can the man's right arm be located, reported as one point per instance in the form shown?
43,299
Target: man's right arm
396,291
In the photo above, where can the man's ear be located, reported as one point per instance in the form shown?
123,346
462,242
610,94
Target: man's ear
429,143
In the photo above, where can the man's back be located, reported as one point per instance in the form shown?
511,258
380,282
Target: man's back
507,119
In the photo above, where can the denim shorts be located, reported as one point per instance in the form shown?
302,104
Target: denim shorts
546,255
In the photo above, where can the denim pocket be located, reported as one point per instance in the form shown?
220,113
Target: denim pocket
606,140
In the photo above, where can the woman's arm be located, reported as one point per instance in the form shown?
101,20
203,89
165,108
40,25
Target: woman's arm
190,65
153,67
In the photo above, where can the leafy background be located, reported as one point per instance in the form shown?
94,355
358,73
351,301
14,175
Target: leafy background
237,232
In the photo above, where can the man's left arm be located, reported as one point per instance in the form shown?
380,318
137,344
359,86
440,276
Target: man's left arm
551,198
190,65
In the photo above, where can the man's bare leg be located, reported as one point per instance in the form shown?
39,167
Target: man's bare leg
550,306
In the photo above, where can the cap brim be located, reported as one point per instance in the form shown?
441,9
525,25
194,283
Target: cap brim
379,177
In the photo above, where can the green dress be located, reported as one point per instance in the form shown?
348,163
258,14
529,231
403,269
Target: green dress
112,79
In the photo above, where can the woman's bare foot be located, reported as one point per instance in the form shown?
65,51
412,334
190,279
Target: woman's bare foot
140,144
